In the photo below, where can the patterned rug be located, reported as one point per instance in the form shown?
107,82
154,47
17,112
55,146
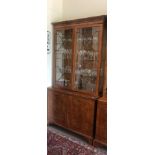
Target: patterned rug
60,142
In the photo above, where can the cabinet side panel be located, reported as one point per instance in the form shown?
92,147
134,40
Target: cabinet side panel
102,81
101,122
49,106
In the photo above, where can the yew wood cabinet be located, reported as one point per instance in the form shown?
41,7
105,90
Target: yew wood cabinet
79,57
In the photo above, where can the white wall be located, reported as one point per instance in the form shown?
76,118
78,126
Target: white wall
73,9
54,13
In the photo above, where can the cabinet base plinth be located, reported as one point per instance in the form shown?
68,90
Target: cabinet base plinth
98,143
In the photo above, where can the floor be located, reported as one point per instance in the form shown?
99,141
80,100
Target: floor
63,142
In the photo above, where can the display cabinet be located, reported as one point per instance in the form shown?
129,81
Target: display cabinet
78,55
78,74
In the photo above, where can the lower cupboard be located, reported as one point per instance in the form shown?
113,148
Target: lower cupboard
72,111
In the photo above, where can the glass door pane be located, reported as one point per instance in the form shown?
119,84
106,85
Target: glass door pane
86,59
63,57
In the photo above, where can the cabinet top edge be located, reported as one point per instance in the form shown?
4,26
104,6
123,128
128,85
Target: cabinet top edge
99,19
74,93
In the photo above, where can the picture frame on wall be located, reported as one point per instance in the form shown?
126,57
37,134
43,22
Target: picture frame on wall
48,42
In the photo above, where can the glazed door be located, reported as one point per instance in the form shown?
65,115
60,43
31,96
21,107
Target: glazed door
87,59
63,49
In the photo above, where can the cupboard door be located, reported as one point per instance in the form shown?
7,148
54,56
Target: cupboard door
87,59
59,107
80,115
63,57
